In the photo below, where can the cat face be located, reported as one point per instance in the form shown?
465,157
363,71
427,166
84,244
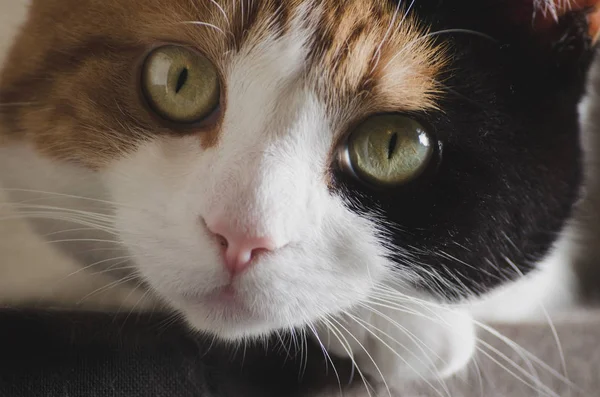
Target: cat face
273,163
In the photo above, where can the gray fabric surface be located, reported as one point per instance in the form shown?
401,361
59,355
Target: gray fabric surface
92,354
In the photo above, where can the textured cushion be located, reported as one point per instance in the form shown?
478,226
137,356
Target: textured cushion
54,354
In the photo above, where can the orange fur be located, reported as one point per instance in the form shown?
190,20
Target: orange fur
75,64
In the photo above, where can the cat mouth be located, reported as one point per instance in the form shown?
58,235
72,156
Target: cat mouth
231,312
226,296
226,302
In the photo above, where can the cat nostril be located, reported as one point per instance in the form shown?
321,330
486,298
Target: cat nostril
241,253
222,241
256,252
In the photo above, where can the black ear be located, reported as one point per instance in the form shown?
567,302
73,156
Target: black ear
555,36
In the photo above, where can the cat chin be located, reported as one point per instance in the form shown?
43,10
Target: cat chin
235,326
233,317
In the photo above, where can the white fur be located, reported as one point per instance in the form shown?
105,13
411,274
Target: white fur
267,176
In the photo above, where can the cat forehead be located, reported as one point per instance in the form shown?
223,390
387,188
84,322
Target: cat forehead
370,54
359,57
353,48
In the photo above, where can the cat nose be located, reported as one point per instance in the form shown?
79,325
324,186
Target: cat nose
240,249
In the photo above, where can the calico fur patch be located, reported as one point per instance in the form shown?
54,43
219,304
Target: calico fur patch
78,83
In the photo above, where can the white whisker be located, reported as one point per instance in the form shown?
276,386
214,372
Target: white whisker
536,386
134,307
366,352
328,359
365,325
561,353
206,24
348,349
83,269
410,44
106,287
222,11
56,194
530,375
377,53
523,353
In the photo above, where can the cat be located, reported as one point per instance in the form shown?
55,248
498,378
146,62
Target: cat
373,174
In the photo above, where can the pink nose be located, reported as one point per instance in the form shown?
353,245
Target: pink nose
239,248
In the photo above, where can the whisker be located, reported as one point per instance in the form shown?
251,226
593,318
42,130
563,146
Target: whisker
348,349
530,375
475,362
144,295
109,286
283,346
410,6
563,361
87,240
364,324
169,321
525,355
411,335
28,204
114,268
80,229
222,11
242,10
366,352
385,36
537,381
411,43
326,355
100,221
60,218
306,354
56,194
83,269
466,31
206,24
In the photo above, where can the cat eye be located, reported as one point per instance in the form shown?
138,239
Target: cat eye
180,85
388,150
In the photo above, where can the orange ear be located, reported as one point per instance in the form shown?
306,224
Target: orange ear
594,21
563,7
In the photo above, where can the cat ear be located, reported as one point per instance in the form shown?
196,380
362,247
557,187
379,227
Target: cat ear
547,13
556,32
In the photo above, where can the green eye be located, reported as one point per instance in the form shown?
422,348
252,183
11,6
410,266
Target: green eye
389,150
180,85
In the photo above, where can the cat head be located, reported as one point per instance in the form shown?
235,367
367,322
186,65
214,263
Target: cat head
273,162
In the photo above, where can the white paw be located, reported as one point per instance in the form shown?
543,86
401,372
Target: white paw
394,343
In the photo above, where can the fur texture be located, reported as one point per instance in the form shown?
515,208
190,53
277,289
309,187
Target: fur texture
378,271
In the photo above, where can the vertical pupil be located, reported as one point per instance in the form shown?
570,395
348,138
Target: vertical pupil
183,76
392,145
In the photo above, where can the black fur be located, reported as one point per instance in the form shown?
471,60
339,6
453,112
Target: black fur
509,169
